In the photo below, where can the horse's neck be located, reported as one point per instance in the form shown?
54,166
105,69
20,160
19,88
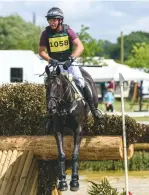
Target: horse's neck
67,89
77,94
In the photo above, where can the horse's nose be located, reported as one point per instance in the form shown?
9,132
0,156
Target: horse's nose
52,106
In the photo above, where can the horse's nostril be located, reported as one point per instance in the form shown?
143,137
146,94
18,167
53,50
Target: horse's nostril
52,106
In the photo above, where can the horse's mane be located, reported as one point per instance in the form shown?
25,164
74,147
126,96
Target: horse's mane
64,79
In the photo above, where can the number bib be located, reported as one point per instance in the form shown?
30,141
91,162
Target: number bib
58,44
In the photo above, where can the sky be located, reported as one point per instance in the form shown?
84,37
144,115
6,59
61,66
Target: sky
105,19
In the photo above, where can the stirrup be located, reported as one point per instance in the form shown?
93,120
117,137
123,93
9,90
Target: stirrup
100,111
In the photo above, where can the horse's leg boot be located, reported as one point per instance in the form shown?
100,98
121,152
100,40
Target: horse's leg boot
74,184
62,186
88,97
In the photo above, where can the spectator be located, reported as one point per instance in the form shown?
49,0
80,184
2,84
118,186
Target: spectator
111,86
109,100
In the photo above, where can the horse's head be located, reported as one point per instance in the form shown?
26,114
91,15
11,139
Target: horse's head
59,93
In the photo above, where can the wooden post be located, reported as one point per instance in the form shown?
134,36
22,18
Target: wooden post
24,173
2,162
18,172
8,171
56,192
13,172
122,48
31,175
34,183
5,165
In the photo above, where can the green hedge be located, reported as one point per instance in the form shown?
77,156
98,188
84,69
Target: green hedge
23,112
22,109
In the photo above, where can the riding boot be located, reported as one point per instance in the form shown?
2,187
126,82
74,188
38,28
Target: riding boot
88,97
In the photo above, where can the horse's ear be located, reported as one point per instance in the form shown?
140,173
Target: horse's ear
47,70
58,71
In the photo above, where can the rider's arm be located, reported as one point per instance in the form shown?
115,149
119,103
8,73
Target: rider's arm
42,52
78,47
42,46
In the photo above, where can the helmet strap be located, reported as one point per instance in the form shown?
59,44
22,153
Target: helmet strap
59,24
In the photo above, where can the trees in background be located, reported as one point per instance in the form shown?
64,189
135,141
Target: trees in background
110,50
129,40
140,56
91,45
15,33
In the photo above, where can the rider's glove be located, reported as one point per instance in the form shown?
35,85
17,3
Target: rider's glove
53,62
68,63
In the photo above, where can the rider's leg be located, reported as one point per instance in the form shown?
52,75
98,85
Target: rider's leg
89,99
76,73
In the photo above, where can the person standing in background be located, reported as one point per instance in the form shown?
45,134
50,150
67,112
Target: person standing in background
109,100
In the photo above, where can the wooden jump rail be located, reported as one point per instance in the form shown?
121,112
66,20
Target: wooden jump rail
141,146
92,148
18,154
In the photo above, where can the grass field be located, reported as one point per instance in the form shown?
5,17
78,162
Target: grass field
146,118
129,107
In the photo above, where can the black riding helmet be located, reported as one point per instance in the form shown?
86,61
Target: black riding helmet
55,12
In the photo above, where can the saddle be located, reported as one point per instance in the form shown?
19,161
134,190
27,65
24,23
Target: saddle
88,81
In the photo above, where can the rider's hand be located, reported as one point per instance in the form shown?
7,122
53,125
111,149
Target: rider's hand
53,62
68,63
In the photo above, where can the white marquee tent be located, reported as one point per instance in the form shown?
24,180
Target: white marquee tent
112,70
20,59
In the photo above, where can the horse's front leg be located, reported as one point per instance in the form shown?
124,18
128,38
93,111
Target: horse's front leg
74,184
62,186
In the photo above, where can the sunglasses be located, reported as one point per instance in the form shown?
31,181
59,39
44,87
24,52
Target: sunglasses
52,20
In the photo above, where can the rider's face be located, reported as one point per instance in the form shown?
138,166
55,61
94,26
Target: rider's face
53,23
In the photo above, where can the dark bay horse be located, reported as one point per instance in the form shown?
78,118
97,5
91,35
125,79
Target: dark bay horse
66,110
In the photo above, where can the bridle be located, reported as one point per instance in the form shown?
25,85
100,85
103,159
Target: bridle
62,107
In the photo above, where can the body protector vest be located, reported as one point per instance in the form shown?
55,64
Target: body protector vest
59,44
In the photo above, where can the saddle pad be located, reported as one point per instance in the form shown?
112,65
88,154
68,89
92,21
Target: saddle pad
78,94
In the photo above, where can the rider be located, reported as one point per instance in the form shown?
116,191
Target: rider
59,44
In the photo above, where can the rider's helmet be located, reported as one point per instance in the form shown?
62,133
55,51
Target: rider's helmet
55,12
